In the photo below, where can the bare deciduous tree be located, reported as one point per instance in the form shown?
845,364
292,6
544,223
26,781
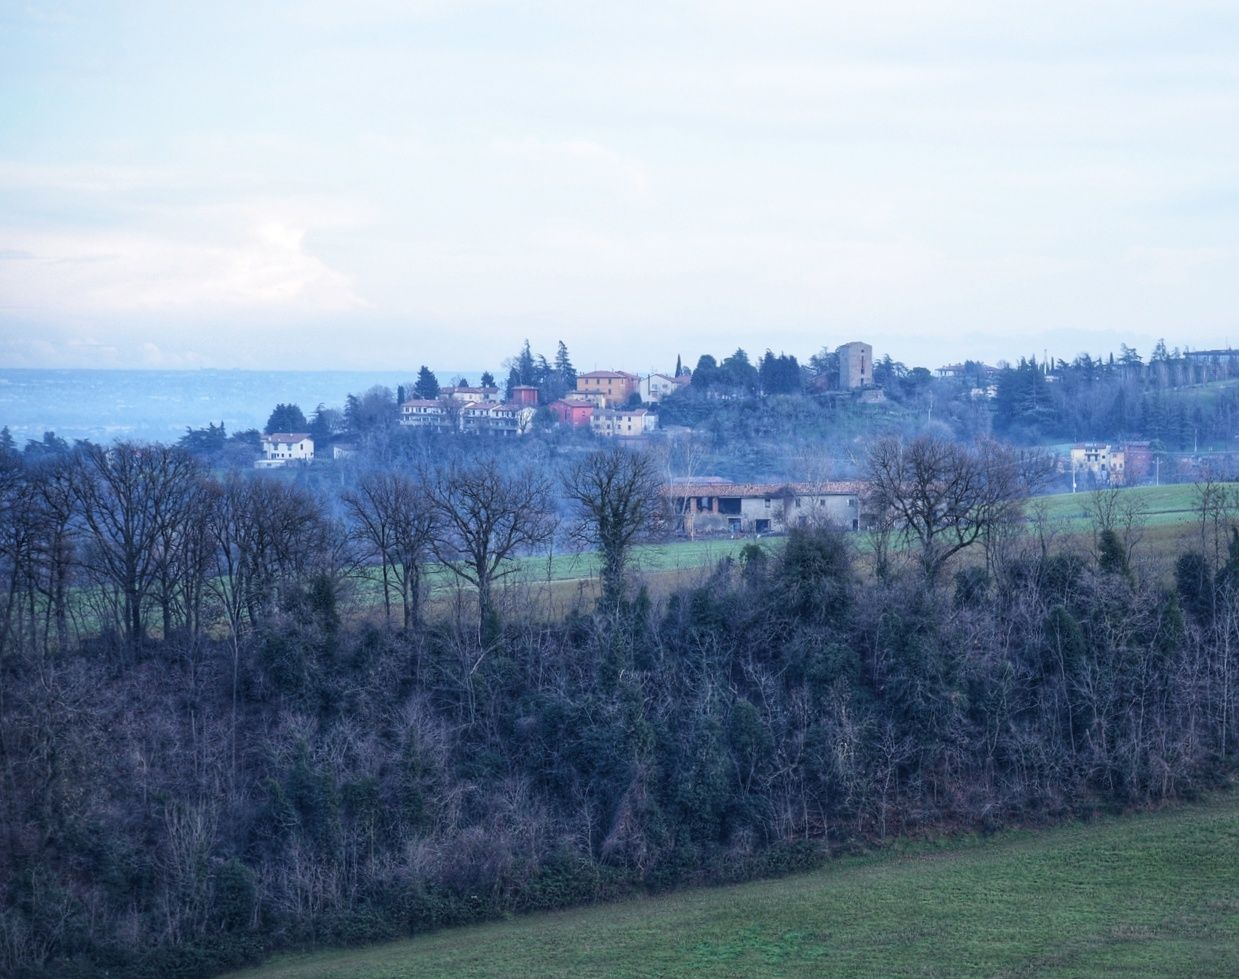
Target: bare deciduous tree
943,495
617,497
394,522
129,496
486,517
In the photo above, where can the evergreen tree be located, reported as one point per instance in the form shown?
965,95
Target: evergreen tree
320,424
564,368
738,372
488,379
7,446
203,441
427,386
286,418
679,367
526,369
707,372
51,445
352,413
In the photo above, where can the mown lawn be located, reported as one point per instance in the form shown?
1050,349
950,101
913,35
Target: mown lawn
1155,894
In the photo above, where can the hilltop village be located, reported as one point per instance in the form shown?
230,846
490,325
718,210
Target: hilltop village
1113,421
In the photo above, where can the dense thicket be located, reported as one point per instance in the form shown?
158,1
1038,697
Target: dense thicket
277,770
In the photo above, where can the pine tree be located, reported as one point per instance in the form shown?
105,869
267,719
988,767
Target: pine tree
525,367
564,368
427,386
286,418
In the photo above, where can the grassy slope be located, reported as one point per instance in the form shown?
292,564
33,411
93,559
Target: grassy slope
1155,894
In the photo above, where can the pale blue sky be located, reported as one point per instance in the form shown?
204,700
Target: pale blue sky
380,183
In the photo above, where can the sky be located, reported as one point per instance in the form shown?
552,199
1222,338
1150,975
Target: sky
382,183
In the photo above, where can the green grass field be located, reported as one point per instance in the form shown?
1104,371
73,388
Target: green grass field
1154,894
563,581
568,580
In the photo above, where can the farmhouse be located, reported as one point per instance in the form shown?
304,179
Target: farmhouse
1099,464
713,505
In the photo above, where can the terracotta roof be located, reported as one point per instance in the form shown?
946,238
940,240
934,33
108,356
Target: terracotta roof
763,490
605,374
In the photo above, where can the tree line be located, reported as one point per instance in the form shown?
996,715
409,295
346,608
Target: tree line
211,748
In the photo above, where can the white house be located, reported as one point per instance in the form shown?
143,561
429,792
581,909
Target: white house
470,395
487,418
623,422
422,413
655,387
282,448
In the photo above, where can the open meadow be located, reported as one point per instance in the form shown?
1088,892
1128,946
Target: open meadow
1154,894
1168,522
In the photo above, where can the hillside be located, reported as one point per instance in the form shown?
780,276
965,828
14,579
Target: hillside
1155,894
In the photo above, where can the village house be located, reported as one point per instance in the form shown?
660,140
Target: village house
572,412
422,413
283,448
712,505
616,387
623,422
497,419
1097,464
469,394
654,387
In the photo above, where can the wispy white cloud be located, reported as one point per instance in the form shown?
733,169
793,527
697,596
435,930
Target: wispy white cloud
689,175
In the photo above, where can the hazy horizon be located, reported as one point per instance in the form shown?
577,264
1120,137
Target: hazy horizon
310,186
